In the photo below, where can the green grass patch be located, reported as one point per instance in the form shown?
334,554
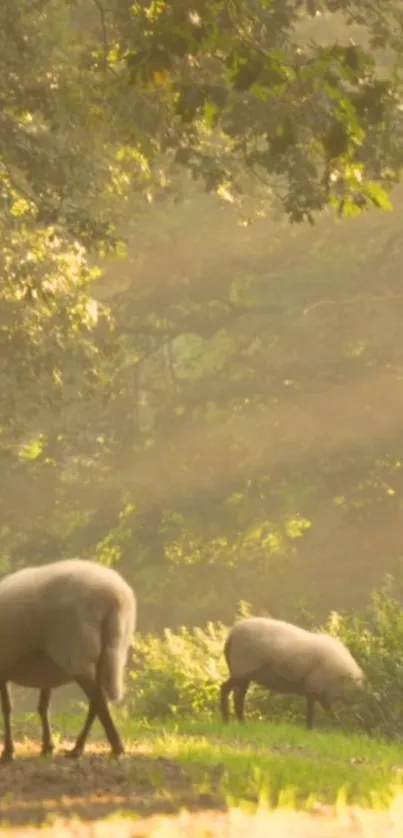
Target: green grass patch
280,764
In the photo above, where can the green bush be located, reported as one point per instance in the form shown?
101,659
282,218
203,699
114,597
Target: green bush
179,673
375,638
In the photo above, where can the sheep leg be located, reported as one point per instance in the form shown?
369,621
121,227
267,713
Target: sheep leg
239,686
6,708
96,698
311,7
78,748
239,699
226,689
310,712
43,713
328,707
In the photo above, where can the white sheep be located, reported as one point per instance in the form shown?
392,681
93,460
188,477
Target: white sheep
72,620
286,659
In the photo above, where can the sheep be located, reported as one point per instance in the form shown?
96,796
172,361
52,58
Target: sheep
71,620
286,659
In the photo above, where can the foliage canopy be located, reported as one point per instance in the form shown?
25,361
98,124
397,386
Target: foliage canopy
149,416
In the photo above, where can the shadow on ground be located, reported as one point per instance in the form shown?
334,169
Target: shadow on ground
35,790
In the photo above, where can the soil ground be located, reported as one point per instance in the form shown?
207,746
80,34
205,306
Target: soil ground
197,779
144,795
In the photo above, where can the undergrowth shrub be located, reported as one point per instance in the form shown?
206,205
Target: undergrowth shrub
375,638
178,674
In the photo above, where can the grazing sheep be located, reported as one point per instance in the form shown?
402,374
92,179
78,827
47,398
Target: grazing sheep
71,620
286,659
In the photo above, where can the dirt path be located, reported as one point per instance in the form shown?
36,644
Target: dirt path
234,824
61,798
33,790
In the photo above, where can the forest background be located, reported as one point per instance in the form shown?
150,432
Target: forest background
201,352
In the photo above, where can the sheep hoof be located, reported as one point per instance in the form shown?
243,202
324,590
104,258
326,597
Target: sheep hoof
47,748
7,756
72,753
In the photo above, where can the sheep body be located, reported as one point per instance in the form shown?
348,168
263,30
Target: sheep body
285,658
65,621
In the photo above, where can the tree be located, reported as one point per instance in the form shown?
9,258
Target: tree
239,92
155,429
54,175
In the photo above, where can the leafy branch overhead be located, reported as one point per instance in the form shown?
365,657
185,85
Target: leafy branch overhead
241,92
101,97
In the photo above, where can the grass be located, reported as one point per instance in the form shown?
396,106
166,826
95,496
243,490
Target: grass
278,762
202,767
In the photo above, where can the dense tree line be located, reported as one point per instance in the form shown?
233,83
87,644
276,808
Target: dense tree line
172,415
